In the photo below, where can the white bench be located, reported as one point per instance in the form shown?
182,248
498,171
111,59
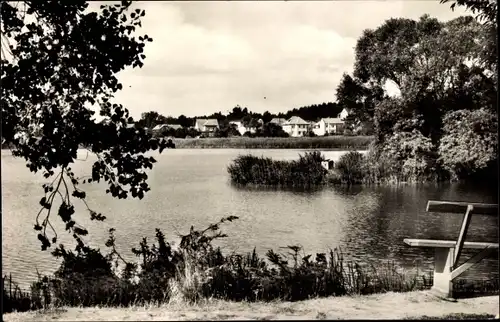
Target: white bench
447,252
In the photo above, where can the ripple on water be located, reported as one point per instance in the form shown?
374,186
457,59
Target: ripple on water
191,187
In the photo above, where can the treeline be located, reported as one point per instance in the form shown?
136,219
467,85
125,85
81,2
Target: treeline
309,113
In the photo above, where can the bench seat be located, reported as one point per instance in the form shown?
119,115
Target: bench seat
447,244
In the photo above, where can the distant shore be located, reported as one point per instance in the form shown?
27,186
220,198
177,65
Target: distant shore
334,142
328,142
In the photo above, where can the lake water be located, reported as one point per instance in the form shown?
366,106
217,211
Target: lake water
191,187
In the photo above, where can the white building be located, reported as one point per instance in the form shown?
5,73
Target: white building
296,126
243,129
206,126
328,125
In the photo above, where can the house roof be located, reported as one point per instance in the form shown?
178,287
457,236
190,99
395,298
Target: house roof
159,127
296,120
175,126
211,122
162,126
278,120
207,122
332,120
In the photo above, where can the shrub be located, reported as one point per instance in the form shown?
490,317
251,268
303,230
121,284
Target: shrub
350,168
411,157
304,172
469,143
197,270
378,167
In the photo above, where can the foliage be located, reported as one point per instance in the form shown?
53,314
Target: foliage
485,9
56,67
196,269
350,167
412,156
226,129
151,119
470,142
358,98
271,130
15,300
304,172
438,67
329,142
177,133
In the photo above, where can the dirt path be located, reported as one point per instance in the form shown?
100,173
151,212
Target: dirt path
380,306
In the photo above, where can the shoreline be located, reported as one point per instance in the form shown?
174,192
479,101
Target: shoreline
333,143
410,305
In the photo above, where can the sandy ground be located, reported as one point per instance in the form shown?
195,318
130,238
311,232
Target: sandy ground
379,306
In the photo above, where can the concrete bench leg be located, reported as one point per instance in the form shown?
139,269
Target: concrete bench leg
443,263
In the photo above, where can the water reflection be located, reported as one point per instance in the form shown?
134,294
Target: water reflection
191,187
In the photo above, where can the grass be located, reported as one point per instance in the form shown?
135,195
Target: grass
329,142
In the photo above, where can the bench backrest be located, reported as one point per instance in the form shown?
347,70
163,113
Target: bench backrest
461,207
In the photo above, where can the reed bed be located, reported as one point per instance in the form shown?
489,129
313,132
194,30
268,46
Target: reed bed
328,142
304,172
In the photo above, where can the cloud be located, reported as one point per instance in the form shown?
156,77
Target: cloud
210,56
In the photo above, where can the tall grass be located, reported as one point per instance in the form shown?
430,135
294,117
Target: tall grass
197,270
15,299
304,172
330,142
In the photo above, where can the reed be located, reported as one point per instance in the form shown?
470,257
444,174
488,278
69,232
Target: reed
304,172
329,142
197,271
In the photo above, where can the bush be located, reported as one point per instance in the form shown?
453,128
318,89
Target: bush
304,172
469,144
411,157
350,168
196,270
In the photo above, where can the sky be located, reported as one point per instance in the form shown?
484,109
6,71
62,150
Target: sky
209,56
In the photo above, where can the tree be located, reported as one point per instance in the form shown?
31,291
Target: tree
151,119
267,117
60,60
358,98
271,130
486,12
436,66
226,129
184,121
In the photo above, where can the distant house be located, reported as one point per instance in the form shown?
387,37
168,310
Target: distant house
175,126
278,121
243,129
164,127
206,126
296,126
328,125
